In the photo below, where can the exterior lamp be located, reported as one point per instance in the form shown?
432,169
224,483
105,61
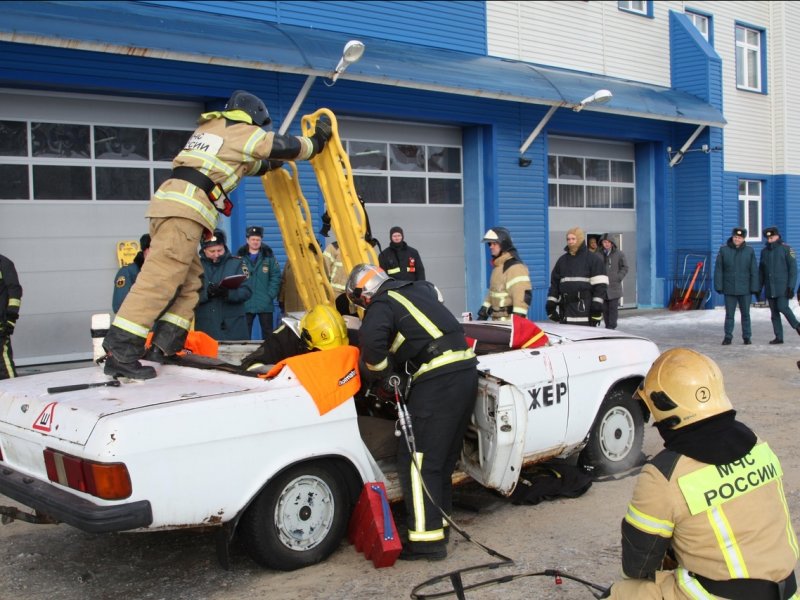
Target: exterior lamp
599,97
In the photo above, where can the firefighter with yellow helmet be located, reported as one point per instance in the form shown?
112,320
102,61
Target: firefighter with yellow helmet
321,328
712,500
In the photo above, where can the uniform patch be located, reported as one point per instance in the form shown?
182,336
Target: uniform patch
121,281
208,143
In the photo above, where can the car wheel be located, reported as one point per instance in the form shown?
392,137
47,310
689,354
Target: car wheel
615,440
299,519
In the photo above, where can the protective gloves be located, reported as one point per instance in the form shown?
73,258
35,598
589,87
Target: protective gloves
215,290
483,313
596,314
551,308
322,133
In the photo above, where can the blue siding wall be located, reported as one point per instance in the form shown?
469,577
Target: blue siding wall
455,25
697,213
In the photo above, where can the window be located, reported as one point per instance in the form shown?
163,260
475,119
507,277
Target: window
584,182
644,8
407,173
750,208
749,58
76,161
702,23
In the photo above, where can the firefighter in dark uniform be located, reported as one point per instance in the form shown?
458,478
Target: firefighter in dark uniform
227,145
712,501
408,330
10,303
399,260
578,284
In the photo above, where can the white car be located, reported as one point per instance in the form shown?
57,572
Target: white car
209,448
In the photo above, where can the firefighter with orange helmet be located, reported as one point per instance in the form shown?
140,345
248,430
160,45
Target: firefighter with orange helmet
712,500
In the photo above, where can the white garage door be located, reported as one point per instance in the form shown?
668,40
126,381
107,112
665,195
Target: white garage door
411,175
77,172
591,185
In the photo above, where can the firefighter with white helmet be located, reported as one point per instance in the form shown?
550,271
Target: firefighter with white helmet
408,330
510,283
712,501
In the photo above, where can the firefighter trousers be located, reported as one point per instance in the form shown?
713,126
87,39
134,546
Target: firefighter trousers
440,408
7,369
167,289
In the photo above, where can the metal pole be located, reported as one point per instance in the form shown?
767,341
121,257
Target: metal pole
301,95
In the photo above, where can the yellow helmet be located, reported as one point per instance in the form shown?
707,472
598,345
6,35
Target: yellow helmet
684,387
323,328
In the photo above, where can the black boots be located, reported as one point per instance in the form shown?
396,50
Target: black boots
726,341
424,551
132,370
776,341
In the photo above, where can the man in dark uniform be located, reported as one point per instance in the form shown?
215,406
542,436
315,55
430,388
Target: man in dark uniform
778,276
10,302
578,284
399,260
407,330
265,279
227,146
127,275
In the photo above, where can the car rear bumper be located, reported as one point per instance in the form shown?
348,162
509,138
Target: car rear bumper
69,508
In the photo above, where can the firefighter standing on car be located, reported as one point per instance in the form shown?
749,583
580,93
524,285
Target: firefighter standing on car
10,303
578,284
713,500
510,283
408,330
227,145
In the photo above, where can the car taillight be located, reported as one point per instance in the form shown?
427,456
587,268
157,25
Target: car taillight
109,481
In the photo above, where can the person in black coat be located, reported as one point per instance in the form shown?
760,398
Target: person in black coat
778,276
399,260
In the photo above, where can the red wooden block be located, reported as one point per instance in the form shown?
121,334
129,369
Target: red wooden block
372,529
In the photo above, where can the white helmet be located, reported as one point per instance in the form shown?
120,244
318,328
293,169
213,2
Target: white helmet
363,282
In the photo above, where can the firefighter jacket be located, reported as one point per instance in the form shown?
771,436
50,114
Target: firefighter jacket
407,329
125,279
223,316
777,269
616,269
10,295
735,271
509,288
264,275
334,268
578,283
224,148
402,262
723,522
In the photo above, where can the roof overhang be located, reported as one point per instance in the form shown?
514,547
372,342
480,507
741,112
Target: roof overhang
139,29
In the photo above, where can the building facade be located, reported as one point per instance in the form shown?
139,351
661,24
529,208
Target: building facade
460,116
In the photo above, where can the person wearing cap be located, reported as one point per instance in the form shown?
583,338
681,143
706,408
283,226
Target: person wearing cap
221,312
509,290
264,273
778,276
736,276
399,260
712,502
10,303
616,269
578,284
126,276
227,146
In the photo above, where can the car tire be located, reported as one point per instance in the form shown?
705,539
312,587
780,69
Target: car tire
298,520
615,440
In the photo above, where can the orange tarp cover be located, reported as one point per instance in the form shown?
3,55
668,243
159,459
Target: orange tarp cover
197,342
329,376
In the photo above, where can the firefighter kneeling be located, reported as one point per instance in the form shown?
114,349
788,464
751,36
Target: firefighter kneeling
713,500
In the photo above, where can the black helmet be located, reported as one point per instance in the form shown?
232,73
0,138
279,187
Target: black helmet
252,105
501,236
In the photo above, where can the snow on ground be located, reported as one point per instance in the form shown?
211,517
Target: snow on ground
703,330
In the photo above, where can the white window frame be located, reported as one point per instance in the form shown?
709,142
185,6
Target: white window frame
697,19
590,183
753,193
744,50
638,7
